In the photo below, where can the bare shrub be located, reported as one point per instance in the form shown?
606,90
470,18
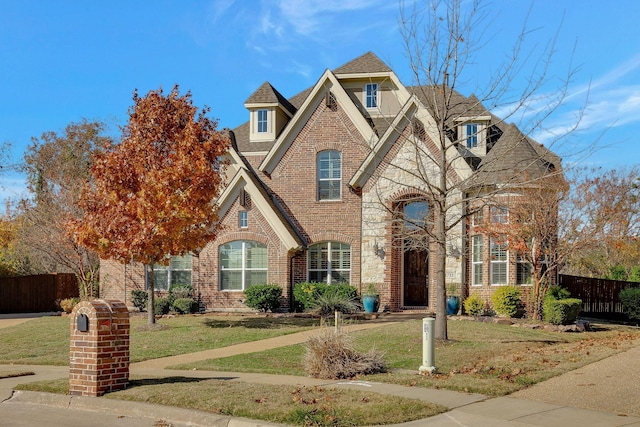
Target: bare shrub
331,355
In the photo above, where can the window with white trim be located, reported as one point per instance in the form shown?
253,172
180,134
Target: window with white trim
242,264
499,260
476,260
178,272
371,95
499,215
262,121
329,262
329,175
243,219
472,135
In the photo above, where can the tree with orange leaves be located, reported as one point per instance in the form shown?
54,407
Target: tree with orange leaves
531,233
153,195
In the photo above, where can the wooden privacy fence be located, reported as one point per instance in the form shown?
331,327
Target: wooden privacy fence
36,294
599,296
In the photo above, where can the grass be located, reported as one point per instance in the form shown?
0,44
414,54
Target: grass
301,406
484,358
172,336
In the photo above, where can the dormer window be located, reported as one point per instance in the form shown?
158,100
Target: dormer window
371,95
472,135
263,121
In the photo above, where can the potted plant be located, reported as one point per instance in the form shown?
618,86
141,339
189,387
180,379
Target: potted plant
453,301
370,299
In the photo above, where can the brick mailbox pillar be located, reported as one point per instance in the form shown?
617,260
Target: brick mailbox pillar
99,350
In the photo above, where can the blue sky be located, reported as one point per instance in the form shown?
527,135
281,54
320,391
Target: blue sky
71,59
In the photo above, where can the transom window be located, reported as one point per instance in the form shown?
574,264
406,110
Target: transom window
329,262
263,120
499,258
476,260
242,264
178,272
472,135
329,175
371,95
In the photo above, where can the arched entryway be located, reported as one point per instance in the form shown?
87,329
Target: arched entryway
414,244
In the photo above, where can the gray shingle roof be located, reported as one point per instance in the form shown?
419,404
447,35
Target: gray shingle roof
267,94
367,63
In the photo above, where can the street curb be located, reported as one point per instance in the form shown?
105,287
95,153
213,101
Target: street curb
135,409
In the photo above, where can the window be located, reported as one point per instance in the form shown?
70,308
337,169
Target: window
499,215
499,260
478,217
263,121
242,264
416,215
178,272
472,135
243,219
371,95
523,272
476,261
329,175
330,262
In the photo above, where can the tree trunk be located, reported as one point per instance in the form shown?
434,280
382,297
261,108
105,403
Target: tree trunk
441,264
151,315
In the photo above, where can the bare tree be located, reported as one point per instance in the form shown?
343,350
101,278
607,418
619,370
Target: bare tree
458,169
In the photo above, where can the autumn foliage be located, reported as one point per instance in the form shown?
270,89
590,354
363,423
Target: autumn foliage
152,195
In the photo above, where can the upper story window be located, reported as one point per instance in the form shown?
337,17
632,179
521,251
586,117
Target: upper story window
371,95
329,175
472,135
499,215
329,262
477,218
242,264
262,121
178,272
243,219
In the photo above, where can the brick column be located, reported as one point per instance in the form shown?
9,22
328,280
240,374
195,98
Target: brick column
99,348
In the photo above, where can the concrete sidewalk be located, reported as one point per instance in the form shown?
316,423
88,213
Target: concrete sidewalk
551,403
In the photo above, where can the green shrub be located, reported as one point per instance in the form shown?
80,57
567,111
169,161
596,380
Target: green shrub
630,299
335,299
506,301
474,305
184,305
264,297
561,311
557,292
161,306
306,294
139,299
180,291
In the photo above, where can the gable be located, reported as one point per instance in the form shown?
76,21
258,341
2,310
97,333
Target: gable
327,89
243,181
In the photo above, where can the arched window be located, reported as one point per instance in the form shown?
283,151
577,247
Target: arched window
329,262
242,264
329,175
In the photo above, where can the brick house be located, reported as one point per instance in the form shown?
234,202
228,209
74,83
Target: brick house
313,185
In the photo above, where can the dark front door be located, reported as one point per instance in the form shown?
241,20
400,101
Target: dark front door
415,278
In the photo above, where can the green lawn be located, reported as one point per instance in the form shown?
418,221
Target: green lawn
479,357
